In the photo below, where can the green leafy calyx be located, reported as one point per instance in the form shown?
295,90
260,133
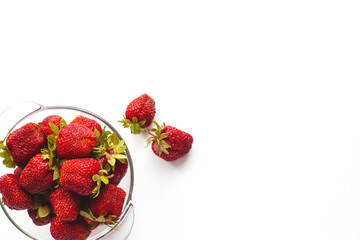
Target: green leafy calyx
6,155
134,124
158,138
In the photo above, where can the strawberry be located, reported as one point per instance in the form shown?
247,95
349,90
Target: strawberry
139,113
18,171
87,122
107,207
64,230
37,175
37,220
75,141
41,212
169,143
76,175
52,119
22,144
66,204
12,194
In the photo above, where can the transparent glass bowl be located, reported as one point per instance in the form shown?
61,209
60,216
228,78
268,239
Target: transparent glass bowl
18,115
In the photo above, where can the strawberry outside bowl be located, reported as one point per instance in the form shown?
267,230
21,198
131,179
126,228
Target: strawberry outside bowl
20,114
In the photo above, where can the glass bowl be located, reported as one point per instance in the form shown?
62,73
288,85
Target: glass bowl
18,115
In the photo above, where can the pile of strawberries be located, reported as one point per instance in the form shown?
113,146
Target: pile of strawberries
66,175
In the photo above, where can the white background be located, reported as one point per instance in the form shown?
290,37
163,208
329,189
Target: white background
269,90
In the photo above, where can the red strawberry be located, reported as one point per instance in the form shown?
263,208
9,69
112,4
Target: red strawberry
109,202
66,204
18,171
37,175
64,230
76,175
75,141
118,173
45,124
12,194
139,113
170,143
25,142
39,221
87,122
107,207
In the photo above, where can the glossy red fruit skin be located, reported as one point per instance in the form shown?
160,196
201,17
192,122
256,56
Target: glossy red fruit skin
37,175
75,141
76,175
37,220
66,204
180,142
45,124
142,107
18,171
119,171
12,194
25,142
87,122
64,230
109,202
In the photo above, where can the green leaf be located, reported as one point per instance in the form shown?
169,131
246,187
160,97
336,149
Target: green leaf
56,174
54,128
101,218
51,138
104,179
9,162
43,211
2,146
87,215
134,120
62,123
97,133
107,167
114,139
112,161
103,171
45,156
142,122
96,177
135,128
119,156
165,144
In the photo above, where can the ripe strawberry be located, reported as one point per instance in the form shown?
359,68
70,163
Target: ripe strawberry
118,173
37,220
75,141
18,171
45,124
109,202
87,122
24,143
37,175
107,207
139,113
12,194
170,143
76,175
66,204
64,230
